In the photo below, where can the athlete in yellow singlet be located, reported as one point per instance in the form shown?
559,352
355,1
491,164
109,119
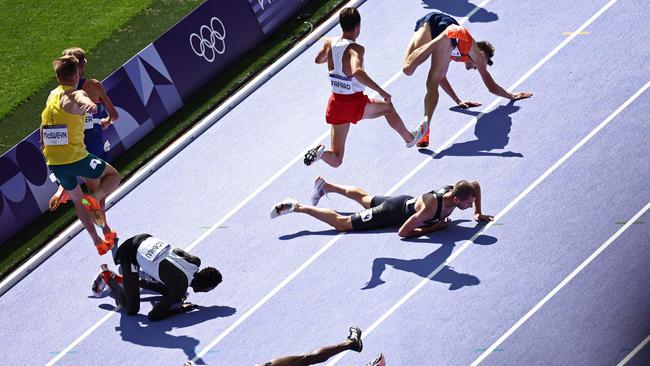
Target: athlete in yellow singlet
62,134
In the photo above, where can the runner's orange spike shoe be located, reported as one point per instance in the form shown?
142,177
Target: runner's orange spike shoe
104,247
97,214
110,237
424,141
60,197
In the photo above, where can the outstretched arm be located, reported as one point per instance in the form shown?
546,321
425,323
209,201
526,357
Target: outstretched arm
478,216
444,84
356,66
493,87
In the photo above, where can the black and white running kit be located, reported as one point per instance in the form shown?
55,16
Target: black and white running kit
172,268
388,211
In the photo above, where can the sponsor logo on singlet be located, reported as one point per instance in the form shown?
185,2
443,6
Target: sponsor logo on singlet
455,53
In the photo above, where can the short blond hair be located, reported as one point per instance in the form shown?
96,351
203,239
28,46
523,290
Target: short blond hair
77,52
66,67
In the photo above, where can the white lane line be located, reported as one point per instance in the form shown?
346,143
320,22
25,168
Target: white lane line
82,337
634,351
498,216
557,288
323,249
168,154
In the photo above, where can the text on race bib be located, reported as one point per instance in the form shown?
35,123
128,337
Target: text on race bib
55,135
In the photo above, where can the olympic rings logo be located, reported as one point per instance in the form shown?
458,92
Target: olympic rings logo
210,41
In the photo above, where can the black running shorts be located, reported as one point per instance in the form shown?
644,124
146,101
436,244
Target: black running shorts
384,211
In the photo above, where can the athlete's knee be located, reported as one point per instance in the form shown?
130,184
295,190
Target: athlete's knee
336,161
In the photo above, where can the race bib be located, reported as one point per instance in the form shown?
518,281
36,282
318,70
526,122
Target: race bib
55,135
366,215
151,248
89,121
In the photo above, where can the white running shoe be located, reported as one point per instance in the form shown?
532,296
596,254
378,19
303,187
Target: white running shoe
379,361
314,154
420,131
283,207
318,191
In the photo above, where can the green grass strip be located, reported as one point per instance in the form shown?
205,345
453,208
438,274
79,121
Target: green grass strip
33,33
29,240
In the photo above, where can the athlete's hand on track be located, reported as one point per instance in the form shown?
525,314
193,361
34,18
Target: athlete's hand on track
521,95
481,217
467,104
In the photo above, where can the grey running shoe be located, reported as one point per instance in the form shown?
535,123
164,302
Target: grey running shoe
420,131
355,337
314,154
283,207
379,361
318,191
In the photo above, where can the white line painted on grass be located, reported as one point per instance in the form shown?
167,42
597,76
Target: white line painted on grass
557,288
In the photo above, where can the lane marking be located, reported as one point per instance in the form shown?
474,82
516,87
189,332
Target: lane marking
323,249
557,288
579,33
498,216
634,351
406,178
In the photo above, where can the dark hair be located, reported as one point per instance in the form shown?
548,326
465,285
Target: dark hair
486,47
349,19
207,278
66,67
463,190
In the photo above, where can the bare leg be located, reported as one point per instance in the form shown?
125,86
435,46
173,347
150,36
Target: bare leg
314,357
326,215
354,193
108,181
419,48
76,195
92,185
334,156
386,109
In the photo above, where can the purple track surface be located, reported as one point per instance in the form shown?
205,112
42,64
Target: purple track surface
265,309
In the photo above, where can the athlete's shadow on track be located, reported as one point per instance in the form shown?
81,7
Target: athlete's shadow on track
491,133
425,266
461,8
332,232
138,329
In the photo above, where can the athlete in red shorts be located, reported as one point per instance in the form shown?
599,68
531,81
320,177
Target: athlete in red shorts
348,104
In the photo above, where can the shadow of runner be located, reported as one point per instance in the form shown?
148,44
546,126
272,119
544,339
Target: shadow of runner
460,8
424,266
138,329
491,133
